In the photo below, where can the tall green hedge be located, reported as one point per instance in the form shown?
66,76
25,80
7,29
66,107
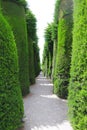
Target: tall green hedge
31,61
78,81
19,2
48,50
36,58
45,61
11,104
33,46
15,14
63,58
55,35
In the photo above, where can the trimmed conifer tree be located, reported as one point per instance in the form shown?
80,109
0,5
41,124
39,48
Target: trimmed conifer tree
31,24
78,81
48,39
55,36
14,12
31,61
45,60
11,104
63,58
34,61
36,57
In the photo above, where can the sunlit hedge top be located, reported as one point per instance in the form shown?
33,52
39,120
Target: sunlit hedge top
20,2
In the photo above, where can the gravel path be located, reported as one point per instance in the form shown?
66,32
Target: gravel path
44,110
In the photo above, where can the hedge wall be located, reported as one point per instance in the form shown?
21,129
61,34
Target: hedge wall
45,61
36,59
55,35
78,81
63,58
48,50
11,104
33,46
15,14
19,2
31,61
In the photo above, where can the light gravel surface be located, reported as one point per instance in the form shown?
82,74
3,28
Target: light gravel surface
43,109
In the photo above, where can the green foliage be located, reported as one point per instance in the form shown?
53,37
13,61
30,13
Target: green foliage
56,12
45,62
11,104
31,61
78,81
63,57
54,31
15,15
48,51
20,2
31,24
56,18
35,60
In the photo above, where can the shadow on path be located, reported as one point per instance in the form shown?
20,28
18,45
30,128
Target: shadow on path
43,109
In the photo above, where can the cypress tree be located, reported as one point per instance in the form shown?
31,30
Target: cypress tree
11,104
31,29
34,61
15,14
36,58
55,36
45,60
48,51
63,57
78,81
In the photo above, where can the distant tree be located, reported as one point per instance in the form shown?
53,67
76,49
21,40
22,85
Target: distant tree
48,50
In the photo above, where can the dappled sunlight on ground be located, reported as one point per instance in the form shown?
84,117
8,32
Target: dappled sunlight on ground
63,126
53,96
46,84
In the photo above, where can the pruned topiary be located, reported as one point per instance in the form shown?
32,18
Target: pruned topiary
78,81
11,104
15,14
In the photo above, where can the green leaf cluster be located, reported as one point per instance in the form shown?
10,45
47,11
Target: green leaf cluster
11,104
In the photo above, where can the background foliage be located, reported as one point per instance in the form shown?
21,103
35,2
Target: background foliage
48,51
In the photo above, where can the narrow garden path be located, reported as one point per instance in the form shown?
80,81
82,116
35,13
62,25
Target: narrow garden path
43,109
